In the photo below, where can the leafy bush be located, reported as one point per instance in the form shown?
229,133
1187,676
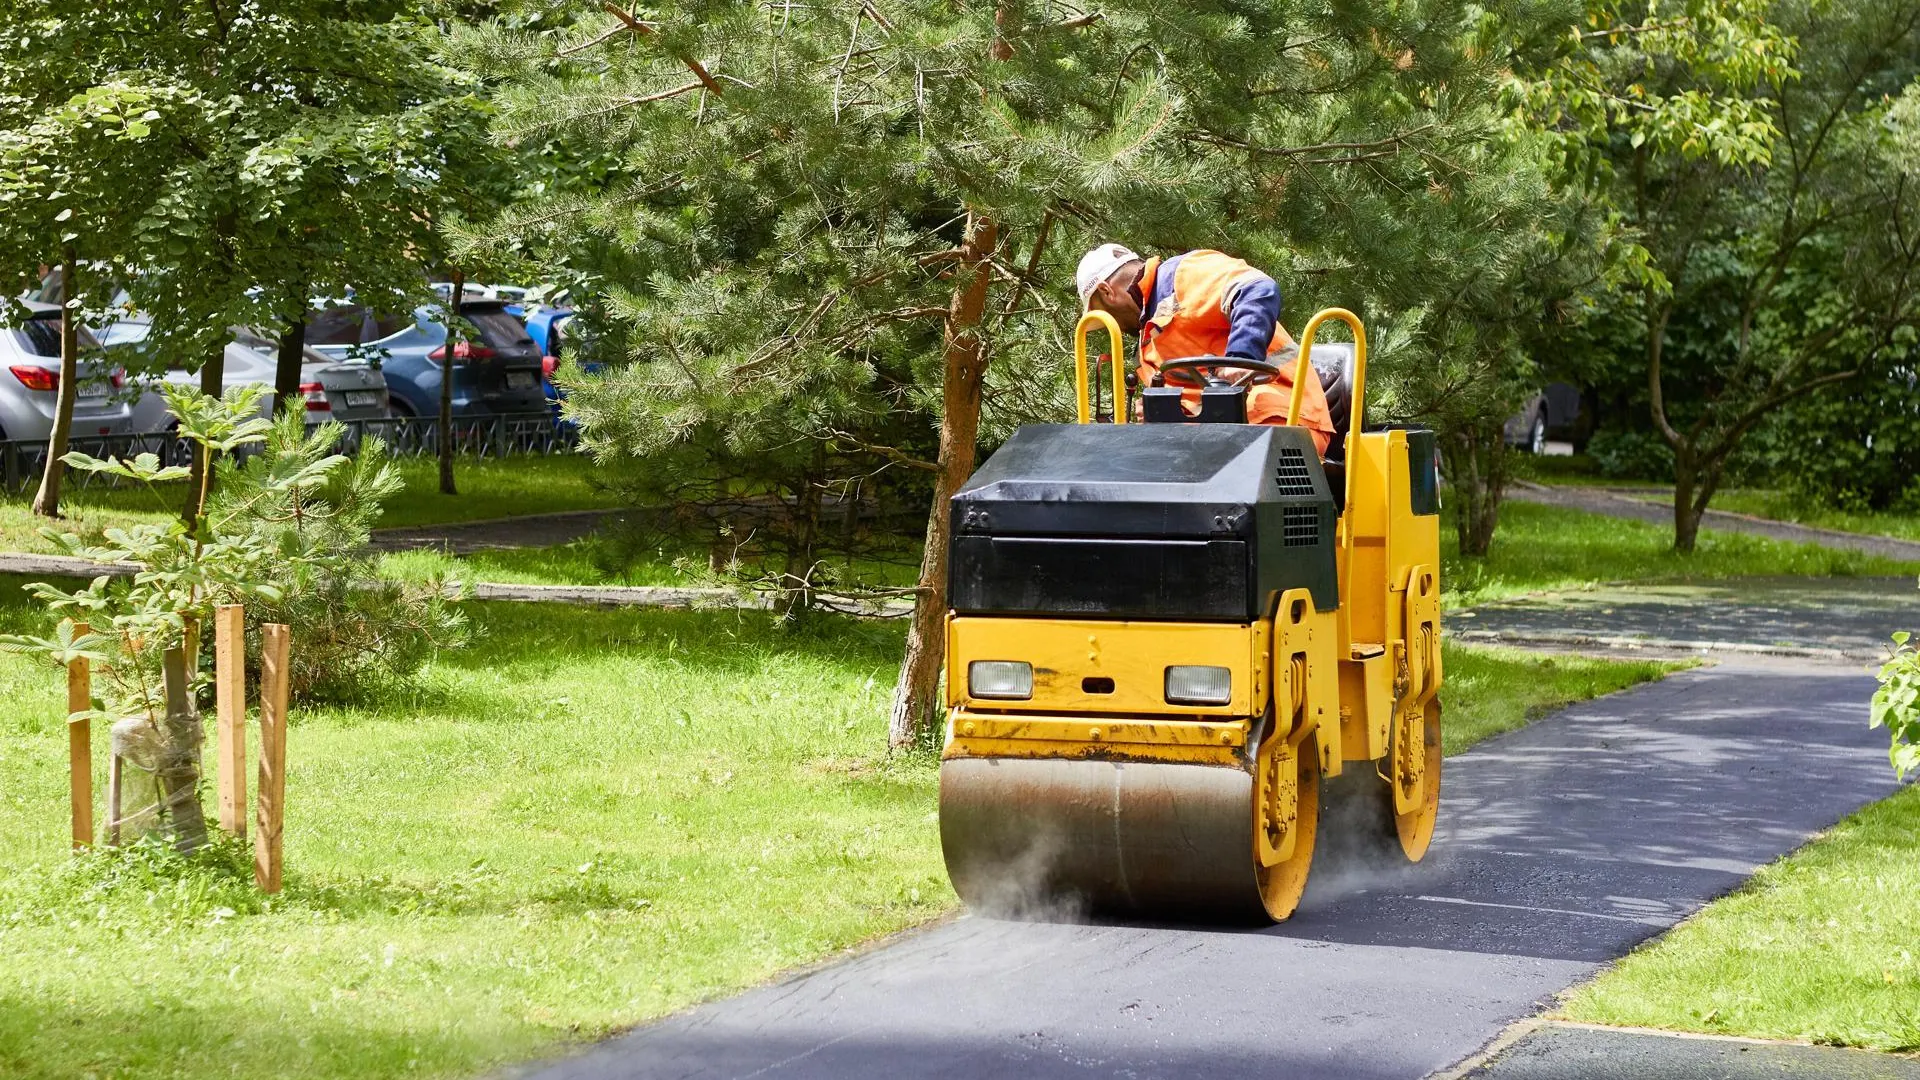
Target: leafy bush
1631,455
1896,705
1856,451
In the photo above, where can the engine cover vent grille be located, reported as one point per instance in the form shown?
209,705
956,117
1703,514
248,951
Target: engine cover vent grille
1300,526
1292,475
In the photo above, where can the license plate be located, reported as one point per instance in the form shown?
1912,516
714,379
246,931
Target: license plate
362,399
519,380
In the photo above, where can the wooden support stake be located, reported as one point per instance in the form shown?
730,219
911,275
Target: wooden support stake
230,707
80,745
275,645
191,639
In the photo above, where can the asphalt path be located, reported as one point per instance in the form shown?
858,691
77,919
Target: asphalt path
1835,618
1560,847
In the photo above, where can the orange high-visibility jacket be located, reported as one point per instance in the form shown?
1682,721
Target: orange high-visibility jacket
1214,300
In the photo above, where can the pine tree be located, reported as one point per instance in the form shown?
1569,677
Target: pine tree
848,230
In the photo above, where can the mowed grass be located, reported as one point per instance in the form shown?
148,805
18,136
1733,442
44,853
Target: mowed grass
1489,691
1822,945
1778,505
491,488
496,488
589,819
1548,547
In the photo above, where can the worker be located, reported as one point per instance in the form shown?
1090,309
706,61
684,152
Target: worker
1203,303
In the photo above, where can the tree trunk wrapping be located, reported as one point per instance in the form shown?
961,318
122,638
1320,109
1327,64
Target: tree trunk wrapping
916,697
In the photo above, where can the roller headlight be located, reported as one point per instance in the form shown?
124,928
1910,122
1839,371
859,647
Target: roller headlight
1010,680
1193,684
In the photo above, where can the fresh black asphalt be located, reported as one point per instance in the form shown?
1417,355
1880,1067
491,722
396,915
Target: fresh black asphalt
1561,846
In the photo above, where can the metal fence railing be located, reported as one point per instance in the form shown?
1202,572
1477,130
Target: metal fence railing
21,460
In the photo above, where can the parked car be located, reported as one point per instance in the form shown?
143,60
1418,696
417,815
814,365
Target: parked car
29,391
544,325
1553,413
496,366
332,389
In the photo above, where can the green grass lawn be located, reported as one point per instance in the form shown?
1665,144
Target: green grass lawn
1537,548
591,818
1780,506
1549,547
1822,945
1488,691
492,488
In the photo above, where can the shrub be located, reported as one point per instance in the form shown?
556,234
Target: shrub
1896,705
1631,455
354,631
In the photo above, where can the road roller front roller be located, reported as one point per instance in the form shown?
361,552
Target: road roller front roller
1166,635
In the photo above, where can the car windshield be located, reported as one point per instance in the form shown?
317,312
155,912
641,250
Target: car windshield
499,328
41,337
351,324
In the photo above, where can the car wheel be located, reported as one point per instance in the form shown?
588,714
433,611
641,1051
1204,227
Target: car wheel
1537,436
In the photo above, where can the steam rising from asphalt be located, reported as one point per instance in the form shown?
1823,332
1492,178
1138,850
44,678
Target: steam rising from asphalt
1027,886
1356,850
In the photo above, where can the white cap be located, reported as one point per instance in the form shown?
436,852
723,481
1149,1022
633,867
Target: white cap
1098,265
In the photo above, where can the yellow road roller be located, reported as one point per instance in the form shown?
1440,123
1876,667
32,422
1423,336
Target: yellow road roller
1165,634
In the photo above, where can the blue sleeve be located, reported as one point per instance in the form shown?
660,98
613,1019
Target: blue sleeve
1254,314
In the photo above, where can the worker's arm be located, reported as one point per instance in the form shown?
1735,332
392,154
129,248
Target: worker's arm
1253,310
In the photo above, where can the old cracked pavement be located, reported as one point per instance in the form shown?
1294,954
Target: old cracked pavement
1561,846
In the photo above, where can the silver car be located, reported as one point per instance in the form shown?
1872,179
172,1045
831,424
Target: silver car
344,390
29,388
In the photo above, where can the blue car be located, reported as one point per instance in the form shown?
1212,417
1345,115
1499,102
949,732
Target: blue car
497,368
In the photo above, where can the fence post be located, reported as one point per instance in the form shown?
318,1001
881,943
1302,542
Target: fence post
230,706
80,745
275,646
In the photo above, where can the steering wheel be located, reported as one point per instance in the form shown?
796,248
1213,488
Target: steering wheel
1206,367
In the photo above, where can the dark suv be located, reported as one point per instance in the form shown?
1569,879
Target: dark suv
496,365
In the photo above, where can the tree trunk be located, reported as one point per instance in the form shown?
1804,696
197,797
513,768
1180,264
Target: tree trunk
446,387
796,584
1686,508
47,502
916,697
286,366
1479,477
200,476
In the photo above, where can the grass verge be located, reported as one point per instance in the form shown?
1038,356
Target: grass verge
1821,945
492,488
1550,547
1489,691
591,818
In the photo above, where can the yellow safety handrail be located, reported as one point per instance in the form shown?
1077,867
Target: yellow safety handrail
1080,378
1356,409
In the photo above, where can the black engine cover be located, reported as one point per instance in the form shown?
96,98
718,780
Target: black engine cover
1207,522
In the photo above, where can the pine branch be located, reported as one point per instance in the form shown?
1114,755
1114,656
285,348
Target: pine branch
1389,144
647,29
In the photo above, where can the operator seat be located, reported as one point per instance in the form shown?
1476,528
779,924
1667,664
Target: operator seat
1333,362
